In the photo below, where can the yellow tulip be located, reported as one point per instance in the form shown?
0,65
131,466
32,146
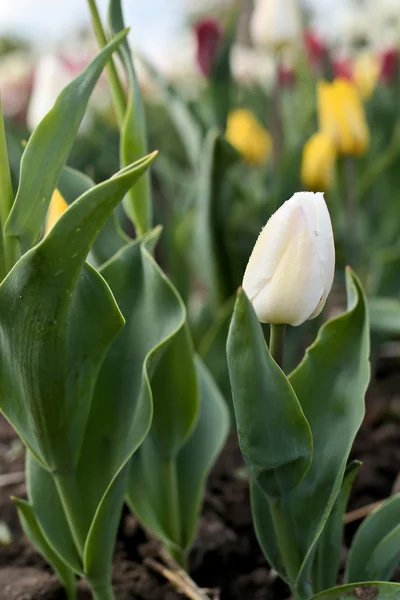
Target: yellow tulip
318,162
57,207
248,136
366,71
341,115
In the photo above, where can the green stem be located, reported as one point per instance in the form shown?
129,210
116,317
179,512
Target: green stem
277,343
117,90
72,504
10,244
102,592
171,503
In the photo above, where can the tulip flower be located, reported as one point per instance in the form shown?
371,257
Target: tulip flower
341,115
316,50
366,71
245,133
56,208
290,271
275,23
318,163
208,37
390,60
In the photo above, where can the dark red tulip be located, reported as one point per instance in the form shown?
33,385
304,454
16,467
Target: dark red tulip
286,76
390,62
316,49
209,36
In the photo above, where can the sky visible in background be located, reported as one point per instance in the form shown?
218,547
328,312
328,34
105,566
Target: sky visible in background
155,23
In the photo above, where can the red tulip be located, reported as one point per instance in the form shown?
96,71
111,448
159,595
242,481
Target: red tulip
390,62
209,36
316,49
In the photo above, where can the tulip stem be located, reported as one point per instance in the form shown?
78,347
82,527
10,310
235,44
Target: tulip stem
10,245
277,343
276,119
116,87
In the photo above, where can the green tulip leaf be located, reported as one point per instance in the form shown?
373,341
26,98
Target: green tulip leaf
362,591
330,384
193,463
44,300
174,388
200,451
32,530
133,132
117,428
385,316
48,149
111,238
212,258
375,550
265,530
274,435
327,555
47,508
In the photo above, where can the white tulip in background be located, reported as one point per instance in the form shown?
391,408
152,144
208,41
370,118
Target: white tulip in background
275,23
16,70
52,74
291,269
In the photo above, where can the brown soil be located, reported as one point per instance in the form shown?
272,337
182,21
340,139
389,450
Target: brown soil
226,558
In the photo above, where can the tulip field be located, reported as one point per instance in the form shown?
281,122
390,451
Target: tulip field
200,308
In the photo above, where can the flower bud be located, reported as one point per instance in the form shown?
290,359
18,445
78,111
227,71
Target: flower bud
290,271
341,115
318,162
275,23
366,71
248,137
209,38
56,208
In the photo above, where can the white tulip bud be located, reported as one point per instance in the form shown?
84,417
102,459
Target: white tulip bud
275,23
290,271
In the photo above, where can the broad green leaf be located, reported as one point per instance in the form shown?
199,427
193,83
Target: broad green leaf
32,530
265,531
374,590
48,149
274,435
111,238
386,556
375,550
212,350
99,547
384,280
174,389
187,125
122,405
47,508
193,463
385,316
327,556
330,384
198,455
212,259
133,133
43,302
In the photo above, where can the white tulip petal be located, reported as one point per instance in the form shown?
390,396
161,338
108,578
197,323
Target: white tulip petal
291,269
